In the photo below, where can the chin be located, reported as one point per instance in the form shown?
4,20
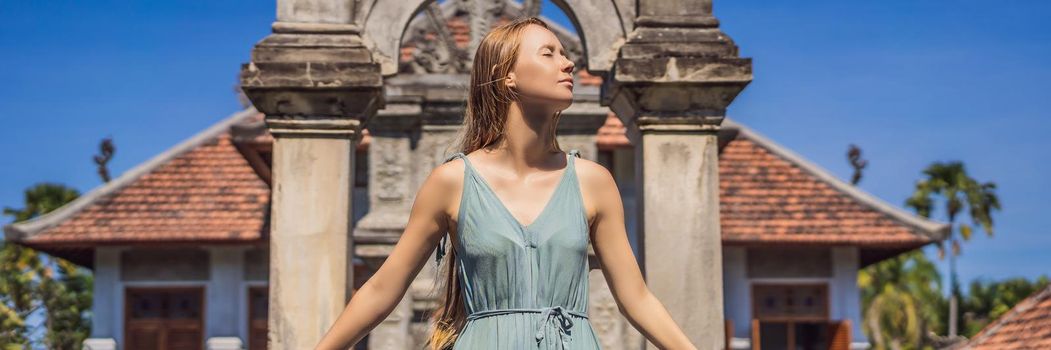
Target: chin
563,104
567,99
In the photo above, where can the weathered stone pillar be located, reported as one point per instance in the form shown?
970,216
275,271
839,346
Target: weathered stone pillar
410,137
441,99
317,84
613,330
390,178
390,201
671,85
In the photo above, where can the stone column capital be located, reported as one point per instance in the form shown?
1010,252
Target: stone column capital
314,81
580,124
291,125
704,21
675,73
677,108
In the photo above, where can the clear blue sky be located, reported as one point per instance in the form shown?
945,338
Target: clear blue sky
911,82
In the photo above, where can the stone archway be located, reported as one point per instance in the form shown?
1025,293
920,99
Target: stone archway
669,73
386,21
432,70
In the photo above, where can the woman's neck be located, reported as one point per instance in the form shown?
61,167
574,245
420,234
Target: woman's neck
528,136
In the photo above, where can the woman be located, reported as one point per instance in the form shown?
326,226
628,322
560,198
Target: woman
519,213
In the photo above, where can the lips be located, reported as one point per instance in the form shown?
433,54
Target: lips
570,81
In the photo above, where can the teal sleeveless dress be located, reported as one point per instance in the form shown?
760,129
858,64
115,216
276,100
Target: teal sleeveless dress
525,286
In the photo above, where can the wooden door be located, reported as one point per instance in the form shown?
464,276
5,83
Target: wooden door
257,317
791,317
164,318
728,333
755,334
840,333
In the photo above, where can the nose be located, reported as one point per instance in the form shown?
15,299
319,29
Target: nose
568,68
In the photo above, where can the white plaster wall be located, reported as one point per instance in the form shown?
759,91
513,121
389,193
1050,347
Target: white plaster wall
844,295
224,293
104,305
737,295
225,304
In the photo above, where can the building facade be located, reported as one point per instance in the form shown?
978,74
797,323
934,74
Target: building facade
229,239
179,245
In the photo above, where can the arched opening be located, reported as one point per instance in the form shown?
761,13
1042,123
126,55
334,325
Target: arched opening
388,23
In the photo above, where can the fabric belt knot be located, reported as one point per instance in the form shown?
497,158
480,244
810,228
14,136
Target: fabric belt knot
558,316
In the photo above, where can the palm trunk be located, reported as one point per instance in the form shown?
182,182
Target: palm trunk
952,295
871,316
952,275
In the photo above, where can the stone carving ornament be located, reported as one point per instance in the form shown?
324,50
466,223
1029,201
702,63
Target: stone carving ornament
436,50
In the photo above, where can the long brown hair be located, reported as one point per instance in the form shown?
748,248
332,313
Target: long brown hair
485,117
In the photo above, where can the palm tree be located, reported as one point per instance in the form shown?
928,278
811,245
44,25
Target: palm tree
30,281
901,298
951,182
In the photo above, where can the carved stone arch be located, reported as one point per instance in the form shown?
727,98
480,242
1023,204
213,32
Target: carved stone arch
387,21
600,37
434,52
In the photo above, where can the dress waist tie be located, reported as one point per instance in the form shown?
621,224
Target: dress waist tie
556,316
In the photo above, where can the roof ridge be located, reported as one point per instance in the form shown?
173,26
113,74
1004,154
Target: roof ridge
21,230
932,228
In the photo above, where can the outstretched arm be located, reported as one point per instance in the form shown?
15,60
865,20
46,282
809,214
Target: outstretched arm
375,300
610,240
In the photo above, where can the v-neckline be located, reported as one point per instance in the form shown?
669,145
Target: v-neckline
500,202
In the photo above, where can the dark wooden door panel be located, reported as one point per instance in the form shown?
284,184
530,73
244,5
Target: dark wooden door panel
257,317
164,318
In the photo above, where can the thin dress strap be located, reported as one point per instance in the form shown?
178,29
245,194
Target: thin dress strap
454,156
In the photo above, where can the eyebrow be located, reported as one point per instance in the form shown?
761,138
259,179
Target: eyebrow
552,47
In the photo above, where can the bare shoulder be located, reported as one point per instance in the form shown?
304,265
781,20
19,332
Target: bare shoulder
447,174
442,186
594,176
598,188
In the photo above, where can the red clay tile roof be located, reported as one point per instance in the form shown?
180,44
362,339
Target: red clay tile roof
769,195
585,78
765,198
207,191
1026,326
207,194
612,134
202,190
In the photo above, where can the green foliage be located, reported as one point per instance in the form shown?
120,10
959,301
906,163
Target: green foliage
19,271
903,305
901,301
988,300
32,282
41,199
902,298
67,300
951,183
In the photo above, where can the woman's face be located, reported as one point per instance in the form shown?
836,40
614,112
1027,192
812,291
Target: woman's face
543,73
